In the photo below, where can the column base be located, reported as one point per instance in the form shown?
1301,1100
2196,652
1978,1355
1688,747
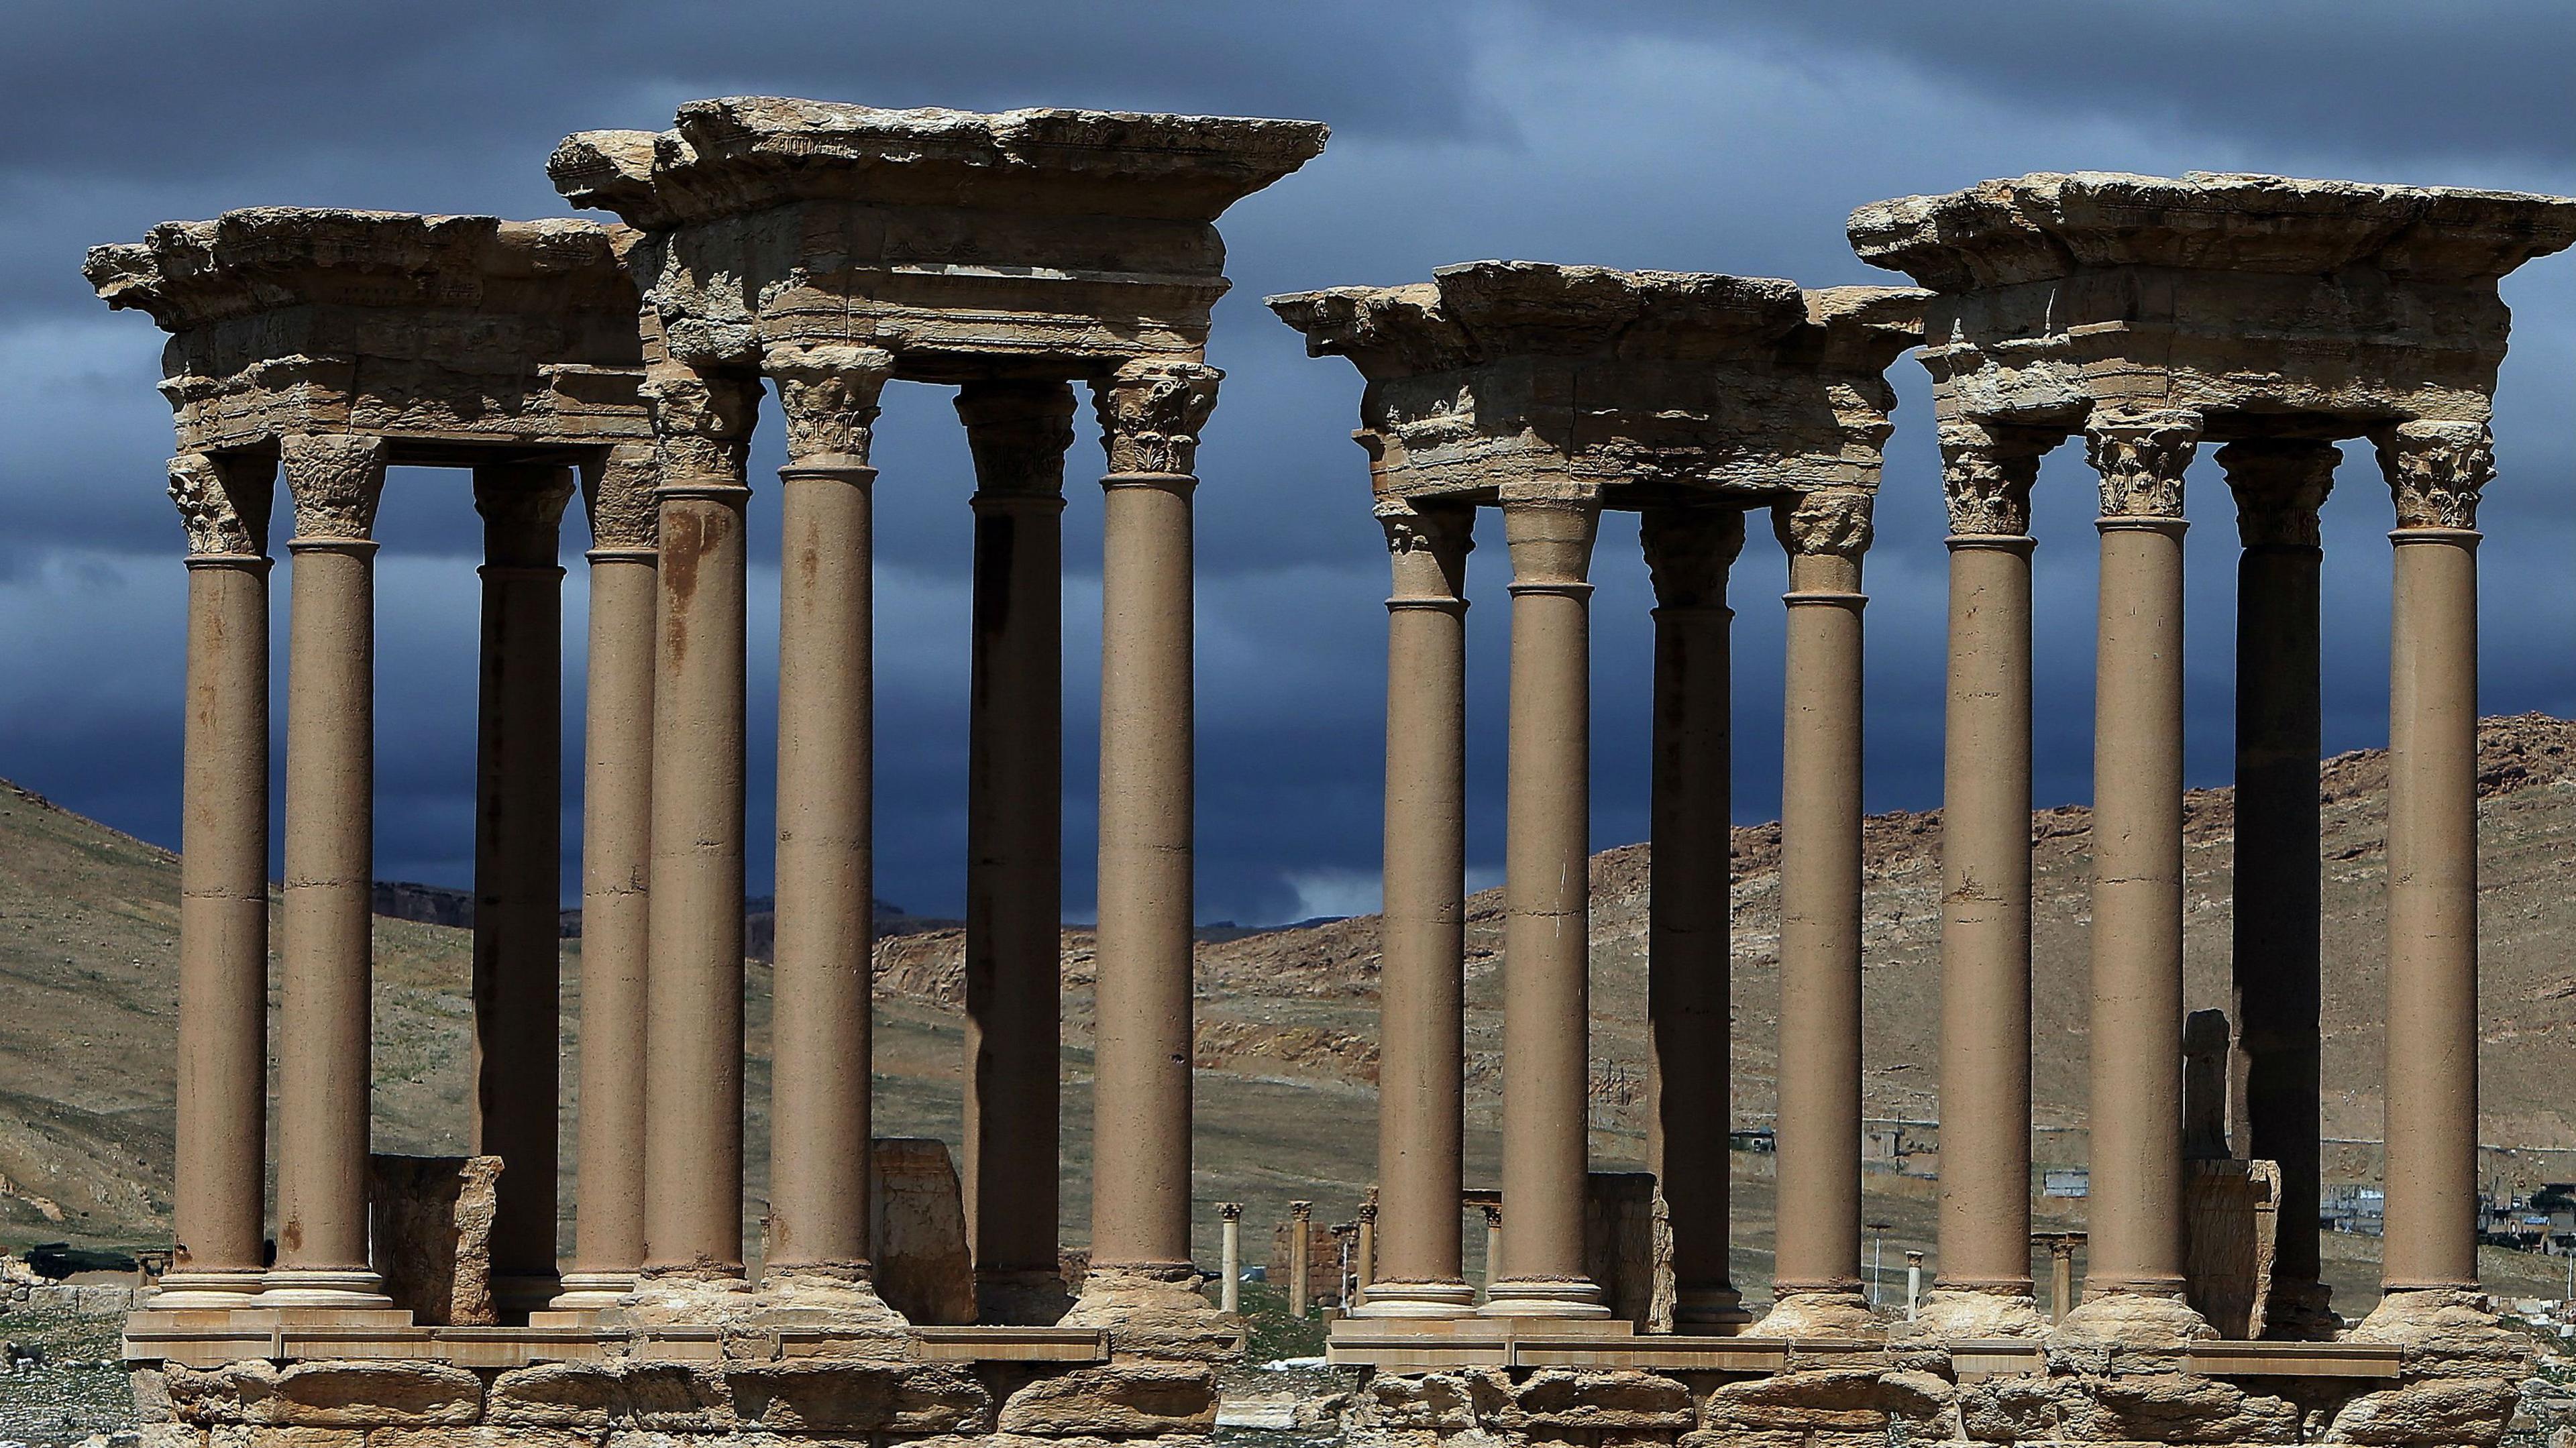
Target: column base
2300,1312
515,1295
2460,1324
353,1289
1155,1308
1717,1311
835,1294
205,1291
1567,1297
686,1296
1029,1297
1451,1297
2116,1330
592,1291
1834,1312
1967,1314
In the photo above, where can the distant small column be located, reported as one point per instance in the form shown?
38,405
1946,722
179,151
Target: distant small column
1301,1269
1364,1254
518,884
324,1077
1547,914
1913,1284
1493,1247
1230,1259
1150,416
693,1100
2061,1275
820,1117
2435,470
1422,974
2136,1203
1018,432
1689,933
1983,1289
222,1145
616,865
2279,895
1817,1285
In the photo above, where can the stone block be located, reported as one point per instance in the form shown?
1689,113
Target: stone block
170,1435
1437,1402
2012,1409
676,1398
1848,1400
1118,1400
556,1395
273,1437
1740,1438
917,1232
483,1435
2179,1408
1553,1400
824,1396
2435,1410
389,1394
151,1389
429,1219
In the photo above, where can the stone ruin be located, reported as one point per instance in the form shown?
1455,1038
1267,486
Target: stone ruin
828,249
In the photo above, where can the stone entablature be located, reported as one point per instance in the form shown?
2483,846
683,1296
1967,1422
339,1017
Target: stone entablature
2272,306
446,335
1074,241
1626,388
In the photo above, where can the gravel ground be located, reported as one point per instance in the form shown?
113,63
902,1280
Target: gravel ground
80,1390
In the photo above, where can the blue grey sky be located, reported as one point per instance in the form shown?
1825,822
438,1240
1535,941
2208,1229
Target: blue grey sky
1710,136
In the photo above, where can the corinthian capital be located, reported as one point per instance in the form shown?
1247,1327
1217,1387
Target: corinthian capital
2279,485
1831,522
223,504
2435,471
1428,544
1986,473
829,398
1688,552
335,479
2142,457
702,421
1151,413
1018,432
618,491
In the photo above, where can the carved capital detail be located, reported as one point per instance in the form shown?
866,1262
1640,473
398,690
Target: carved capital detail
1429,547
1688,552
2142,457
1827,522
1151,413
702,421
2279,484
829,397
517,498
1018,432
618,492
1987,477
1301,1211
2435,471
1230,1211
216,509
336,479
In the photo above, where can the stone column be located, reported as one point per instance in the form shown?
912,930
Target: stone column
616,863
1689,949
1493,1247
693,1013
1422,972
1301,1249
1547,913
518,874
1817,1283
1014,847
819,1103
222,1155
2435,470
2279,485
2135,1281
1364,1253
1150,416
324,1056
1230,1259
2061,1276
1984,1289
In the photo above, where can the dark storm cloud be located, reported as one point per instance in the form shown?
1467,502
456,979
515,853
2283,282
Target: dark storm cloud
1706,136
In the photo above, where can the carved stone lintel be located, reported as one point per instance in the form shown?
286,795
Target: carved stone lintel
2279,485
1827,522
222,505
1151,412
1987,474
2435,471
829,397
618,492
2142,457
702,421
1688,552
336,479
1018,432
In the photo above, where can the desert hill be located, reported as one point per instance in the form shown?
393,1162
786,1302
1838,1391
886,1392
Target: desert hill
1286,1033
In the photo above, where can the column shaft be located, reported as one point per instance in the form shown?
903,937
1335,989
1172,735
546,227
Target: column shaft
1422,973
1547,916
1014,848
518,886
323,1070
1689,950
